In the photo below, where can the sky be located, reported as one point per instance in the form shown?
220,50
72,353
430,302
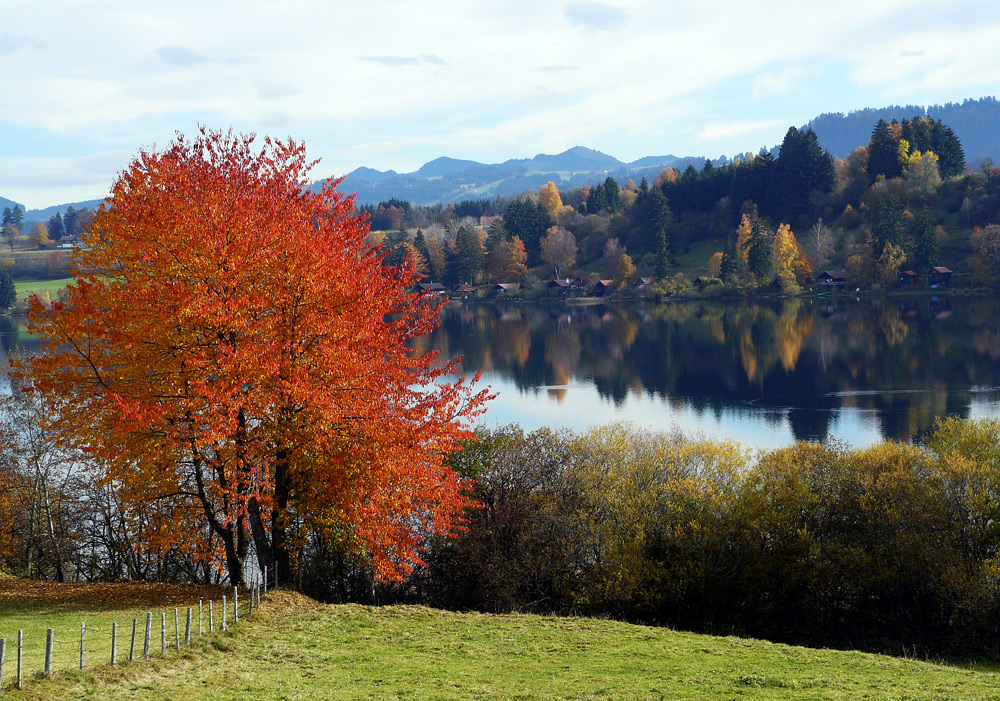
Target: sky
394,84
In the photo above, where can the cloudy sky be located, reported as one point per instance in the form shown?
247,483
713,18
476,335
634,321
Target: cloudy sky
393,84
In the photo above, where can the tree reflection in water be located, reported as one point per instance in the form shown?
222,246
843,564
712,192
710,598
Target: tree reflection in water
896,363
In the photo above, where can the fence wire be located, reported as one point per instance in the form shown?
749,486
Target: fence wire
165,637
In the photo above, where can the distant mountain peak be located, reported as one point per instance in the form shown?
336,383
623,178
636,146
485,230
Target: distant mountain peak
444,166
588,152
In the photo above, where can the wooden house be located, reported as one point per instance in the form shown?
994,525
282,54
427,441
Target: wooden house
939,276
434,288
833,277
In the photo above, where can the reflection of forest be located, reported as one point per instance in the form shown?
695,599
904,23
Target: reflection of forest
907,360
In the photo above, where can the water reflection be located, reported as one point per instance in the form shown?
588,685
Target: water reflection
767,373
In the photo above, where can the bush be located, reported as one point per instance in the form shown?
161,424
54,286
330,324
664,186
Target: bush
818,544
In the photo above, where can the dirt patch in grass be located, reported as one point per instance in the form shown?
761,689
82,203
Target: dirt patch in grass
24,594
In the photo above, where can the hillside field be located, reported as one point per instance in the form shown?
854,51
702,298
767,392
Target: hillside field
296,648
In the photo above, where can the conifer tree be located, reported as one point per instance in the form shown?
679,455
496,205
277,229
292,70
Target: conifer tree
8,294
883,153
925,245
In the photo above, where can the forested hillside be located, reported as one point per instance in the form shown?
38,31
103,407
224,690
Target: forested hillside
974,121
900,205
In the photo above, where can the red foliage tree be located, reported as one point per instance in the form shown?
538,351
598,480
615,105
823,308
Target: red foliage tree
231,348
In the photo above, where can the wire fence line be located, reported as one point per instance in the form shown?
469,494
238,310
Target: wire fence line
29,656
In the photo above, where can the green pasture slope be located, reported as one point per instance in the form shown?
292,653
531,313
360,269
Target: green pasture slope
295,648
26,288
33,607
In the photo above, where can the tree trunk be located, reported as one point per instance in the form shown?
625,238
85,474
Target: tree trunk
234,563
279,535
262,544
60,575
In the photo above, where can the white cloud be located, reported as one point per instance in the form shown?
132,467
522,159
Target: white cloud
373,147
596,16
477,79
180,56
771,84
727,130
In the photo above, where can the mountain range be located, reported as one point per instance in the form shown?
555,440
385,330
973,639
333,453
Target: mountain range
976,122
453,180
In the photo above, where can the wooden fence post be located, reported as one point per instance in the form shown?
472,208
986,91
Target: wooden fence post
200,632
177,633
223,613
236,605
265,579
83,642
187,628
163,633
114,642
3,654
50,638
20,648
148,634
211,616
131,647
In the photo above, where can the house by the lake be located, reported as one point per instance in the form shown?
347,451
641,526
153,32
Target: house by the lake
939,276
604,287
833,277
434,288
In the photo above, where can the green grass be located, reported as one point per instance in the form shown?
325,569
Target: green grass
33,607
694,262
26,288
298,649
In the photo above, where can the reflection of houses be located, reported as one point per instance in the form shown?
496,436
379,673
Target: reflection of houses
833,277
940,307
506,287
939,276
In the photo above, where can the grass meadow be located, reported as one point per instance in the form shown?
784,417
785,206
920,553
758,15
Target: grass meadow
296,648
26,288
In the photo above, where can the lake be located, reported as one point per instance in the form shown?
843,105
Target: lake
764,373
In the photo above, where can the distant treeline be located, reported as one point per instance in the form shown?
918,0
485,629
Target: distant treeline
974,121
905,201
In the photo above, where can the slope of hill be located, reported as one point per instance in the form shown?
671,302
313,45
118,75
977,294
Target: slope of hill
975,123
297,648
4,202
453,180
43,215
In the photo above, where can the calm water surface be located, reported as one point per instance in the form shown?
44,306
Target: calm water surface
765,374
